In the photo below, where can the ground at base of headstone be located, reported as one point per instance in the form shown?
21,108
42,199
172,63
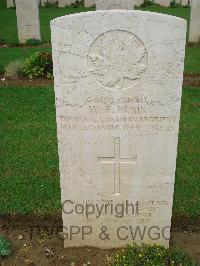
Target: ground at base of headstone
190,80
38,242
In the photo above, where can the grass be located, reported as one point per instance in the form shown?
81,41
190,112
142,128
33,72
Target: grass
181,12
29,162
187,189
192,60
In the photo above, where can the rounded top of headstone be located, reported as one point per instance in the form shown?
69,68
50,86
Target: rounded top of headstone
119,12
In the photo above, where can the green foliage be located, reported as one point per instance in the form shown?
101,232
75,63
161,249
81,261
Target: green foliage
33,42
50,5
154,255
8,55
174,4
2,41
13,43
147,3
14,69
5,247
76,4
39,65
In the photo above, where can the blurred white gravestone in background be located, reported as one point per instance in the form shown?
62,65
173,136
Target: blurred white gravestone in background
165,3
118,81
28,23
64,3
114,4
10,3
89,3
138,2
194,33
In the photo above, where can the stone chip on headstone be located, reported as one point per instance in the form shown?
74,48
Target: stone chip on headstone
28,23
118,81
114,4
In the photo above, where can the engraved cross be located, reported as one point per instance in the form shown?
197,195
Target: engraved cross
116,160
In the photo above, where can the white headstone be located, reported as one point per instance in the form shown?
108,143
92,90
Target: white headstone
10,3
114,4
184,2
43,2
118,81
64,3
89,3
52,1
165,3
28,23
138,2
194,33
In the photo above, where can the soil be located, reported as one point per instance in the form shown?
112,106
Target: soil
190,80
44,45
36,241
193,44
25,82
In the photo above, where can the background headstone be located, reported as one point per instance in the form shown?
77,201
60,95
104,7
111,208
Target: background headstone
64,3
28,23
43,2
89,3
194,33
165,3
138,2
52,1
10,3
183,2
118,83
114,4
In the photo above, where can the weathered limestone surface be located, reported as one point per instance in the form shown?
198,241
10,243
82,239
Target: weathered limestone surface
118,81
194,34
114,4
28,23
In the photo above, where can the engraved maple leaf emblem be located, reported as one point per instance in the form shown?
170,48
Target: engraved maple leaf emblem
117,59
